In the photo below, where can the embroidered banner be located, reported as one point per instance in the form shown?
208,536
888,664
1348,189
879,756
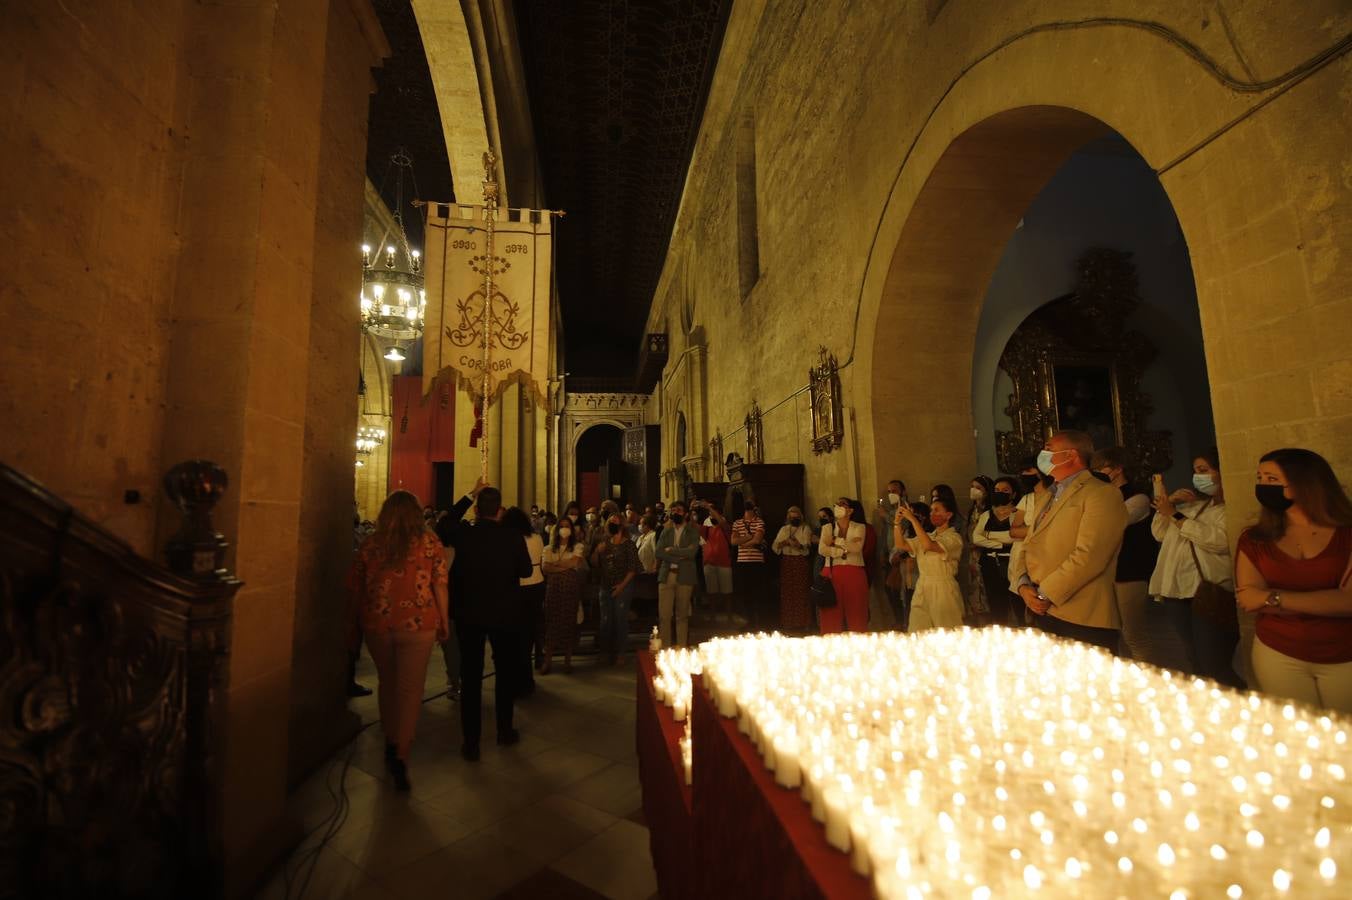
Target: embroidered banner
518,323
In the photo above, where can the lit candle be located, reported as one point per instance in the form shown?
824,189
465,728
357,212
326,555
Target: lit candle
837,818
788,772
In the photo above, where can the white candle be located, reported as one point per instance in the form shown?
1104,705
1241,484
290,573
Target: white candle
818,797
788,773
837,818
679,709
859,855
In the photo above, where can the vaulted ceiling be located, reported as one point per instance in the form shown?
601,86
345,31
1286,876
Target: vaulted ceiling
617,89
404,116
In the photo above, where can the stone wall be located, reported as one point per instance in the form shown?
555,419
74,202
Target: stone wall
895,151
90,169
320,720
174,268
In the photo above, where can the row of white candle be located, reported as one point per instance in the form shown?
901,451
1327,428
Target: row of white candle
672,686
672,683
1002,763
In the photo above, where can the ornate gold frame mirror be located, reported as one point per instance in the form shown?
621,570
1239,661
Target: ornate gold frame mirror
1074,365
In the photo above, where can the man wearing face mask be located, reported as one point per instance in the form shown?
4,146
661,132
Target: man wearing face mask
676,575
1065,573
716,552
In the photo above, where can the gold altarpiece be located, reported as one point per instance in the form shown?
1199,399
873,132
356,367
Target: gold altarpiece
1074,364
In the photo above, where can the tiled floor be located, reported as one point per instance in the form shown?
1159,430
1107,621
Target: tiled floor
557,816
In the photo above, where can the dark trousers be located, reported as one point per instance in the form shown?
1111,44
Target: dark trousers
1087,634
751,581
508,648
1213,649
532,639
1006,608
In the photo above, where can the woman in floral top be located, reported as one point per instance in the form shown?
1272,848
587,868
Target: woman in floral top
398,583
616,558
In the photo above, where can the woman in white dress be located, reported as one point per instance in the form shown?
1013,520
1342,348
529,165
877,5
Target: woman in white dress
937,602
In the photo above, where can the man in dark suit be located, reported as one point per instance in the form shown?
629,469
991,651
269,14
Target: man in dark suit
486,604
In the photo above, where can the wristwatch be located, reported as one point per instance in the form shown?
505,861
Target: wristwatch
1273,599
1179,516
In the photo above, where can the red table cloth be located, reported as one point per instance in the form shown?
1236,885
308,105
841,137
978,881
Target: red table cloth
666,798
754,838
736,834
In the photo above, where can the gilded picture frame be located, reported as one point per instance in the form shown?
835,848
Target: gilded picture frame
828,414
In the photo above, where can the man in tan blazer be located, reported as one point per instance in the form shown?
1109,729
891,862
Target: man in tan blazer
1065,575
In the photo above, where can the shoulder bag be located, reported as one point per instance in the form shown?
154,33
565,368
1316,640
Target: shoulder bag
823,591
1213,602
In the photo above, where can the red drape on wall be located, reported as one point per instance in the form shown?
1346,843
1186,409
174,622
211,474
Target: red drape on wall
441,437
423,433
590,489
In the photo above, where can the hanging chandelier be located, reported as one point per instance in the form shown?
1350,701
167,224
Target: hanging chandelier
392,297
368,439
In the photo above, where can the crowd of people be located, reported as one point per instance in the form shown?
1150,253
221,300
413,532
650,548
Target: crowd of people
1070,544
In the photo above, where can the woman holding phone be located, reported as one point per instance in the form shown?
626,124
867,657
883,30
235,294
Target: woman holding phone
937,602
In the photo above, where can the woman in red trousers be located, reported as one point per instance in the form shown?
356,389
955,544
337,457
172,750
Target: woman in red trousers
842,547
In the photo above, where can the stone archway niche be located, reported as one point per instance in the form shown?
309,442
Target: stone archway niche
582,411
936,282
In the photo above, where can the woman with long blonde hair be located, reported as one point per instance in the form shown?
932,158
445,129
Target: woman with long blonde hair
398,582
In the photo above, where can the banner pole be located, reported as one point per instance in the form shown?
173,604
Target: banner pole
486,321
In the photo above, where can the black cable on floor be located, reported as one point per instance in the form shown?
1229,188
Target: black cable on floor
308,859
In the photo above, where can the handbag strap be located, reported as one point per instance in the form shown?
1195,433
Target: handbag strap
1193,547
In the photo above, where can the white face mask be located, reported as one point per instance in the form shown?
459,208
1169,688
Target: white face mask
976,493
894,499
590,516
842,512
564,532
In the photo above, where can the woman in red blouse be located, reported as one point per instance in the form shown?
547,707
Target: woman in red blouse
398,582
1294,568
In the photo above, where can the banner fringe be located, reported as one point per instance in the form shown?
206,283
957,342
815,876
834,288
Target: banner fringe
472,383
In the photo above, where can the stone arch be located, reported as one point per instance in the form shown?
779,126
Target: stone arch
580,432
577,423
989,146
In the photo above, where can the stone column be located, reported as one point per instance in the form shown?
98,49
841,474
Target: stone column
320,719
253,96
